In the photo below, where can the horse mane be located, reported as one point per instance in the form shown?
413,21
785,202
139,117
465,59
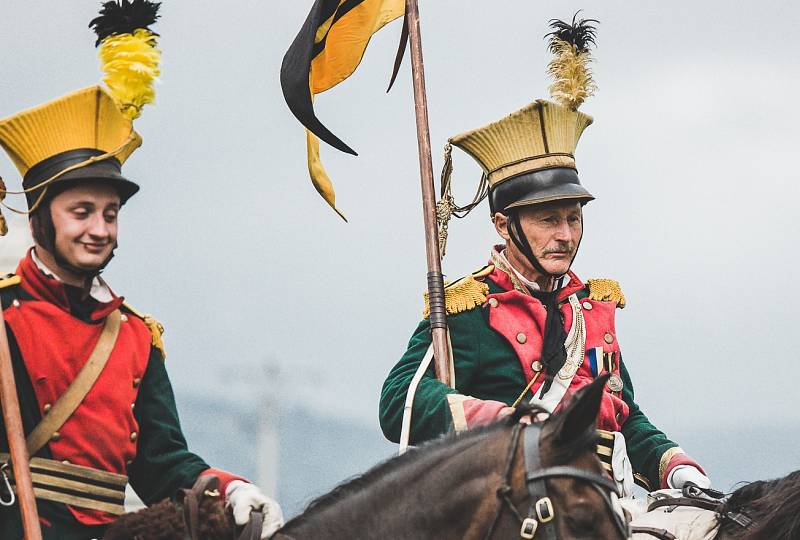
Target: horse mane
165,520
435,450
774,506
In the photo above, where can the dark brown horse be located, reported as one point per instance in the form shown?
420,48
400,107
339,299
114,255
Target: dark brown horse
479,485
773,507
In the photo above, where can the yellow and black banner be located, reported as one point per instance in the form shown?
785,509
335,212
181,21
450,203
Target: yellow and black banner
326,51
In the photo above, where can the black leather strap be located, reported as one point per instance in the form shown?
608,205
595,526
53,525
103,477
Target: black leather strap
663,534
537,488
704,504
252,531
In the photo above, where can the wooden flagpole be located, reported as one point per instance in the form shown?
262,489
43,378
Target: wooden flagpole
438,313
16,440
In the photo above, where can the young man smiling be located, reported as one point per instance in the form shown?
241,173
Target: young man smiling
96,403
525,327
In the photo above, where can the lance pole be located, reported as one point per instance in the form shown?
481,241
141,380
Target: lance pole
438,313
16,440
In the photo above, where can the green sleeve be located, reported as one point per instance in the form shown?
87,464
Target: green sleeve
163,462
646,443
430,415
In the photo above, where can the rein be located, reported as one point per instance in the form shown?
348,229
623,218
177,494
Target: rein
541,513
208,486
695,497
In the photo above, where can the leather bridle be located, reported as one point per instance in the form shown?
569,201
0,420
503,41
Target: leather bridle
207,486
540,522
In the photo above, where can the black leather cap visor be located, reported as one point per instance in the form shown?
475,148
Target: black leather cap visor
538,187
108,170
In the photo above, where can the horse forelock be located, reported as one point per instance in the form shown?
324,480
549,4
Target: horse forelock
774,506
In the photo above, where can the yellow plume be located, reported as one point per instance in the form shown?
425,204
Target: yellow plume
572,77
130,62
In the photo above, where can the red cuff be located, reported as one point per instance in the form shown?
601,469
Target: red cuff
678,459
479,412
225,478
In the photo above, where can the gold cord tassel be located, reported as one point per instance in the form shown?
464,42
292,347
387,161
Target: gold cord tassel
446,205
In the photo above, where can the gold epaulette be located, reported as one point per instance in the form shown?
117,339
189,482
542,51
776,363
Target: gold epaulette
155,327
606,290
464,294
9,281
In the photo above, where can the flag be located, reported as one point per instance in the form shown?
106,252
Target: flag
326,51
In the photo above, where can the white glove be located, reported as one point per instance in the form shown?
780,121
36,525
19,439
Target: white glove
244,497
687,473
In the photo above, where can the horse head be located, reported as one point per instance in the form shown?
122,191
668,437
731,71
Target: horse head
583,508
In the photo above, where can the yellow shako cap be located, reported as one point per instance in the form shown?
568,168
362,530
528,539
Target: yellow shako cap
541,136
88,134
69,131
528,157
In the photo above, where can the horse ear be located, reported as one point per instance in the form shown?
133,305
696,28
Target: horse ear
577,422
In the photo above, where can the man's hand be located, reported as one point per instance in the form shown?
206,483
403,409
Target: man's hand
505,411
682,474
244,498
508,411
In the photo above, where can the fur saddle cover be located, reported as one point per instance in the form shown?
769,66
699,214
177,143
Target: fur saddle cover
198,514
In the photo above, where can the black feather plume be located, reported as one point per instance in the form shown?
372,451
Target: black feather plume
124,17
580,33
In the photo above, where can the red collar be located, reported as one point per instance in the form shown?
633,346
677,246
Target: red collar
502,279
49,289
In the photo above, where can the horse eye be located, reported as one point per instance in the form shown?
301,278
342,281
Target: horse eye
580,526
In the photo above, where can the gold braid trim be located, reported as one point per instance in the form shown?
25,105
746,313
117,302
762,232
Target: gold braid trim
665,459
642,481
465,294
9,281
606,290
156,330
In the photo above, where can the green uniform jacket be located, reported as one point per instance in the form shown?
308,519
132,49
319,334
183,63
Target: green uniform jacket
495,330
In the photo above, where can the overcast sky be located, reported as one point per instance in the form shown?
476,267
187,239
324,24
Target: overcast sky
691,158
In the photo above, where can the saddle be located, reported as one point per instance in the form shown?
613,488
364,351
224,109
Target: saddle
692,515
207,486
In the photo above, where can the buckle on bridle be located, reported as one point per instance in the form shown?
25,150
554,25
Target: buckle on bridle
544,510
528,529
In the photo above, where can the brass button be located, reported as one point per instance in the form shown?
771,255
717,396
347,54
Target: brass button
123,318
129,463
133,406
536,366
522,338
47,408
65,462
587,305
493,302
137,381
55,436
15,303
609,338
134,436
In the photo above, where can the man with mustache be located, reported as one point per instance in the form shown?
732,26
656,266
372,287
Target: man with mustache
525,327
